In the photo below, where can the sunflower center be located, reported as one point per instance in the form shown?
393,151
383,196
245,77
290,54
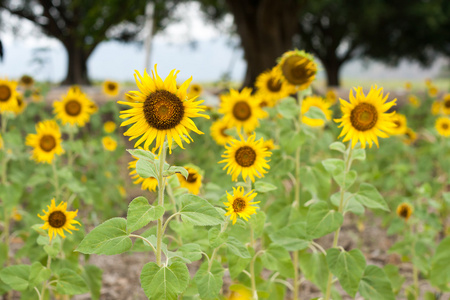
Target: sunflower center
111,86
223,133
73,108
245,156
364,116
263,104
195,88
404,211
409,135
57,219
47,143
242,111
163,110
297,71
192,177
19,102
274,85
5,93
445,126
397,124
239,205
447,103
26,79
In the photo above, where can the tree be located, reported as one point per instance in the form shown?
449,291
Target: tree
81,25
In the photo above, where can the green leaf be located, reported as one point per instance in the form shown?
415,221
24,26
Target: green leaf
394,277
375,285
191,251
348,267
16,276
52,249
146,168
440,266
216,237
70,283
264,187
369,196
359,154
288,108
199,212
274,256
322,220
140,213
108,238
257,222
237,248
315,268
349,198
38,274
140,153
92,275
338,146
336,168
182,273
315,113
175,169
236,264
292,237
159,282
209,283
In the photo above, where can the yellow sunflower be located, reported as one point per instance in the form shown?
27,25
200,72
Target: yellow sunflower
161,110
75,108
269,145
110,88
246,157
433,91
331,96
428,82
414,101
147,183
26,81
109,126
443,126
193,182
109,143
320,103
409,137
8,95
264,100
218,133
241,110
297,68
446,104
36,95
1,142
240,205
400,124
195,90
272,87
436,108
58,218
21,104
46,142
240,293
16,215
408,86
404,210
365,117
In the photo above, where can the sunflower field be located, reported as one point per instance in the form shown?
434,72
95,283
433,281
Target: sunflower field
277,192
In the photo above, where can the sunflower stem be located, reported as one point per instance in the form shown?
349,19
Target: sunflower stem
298,151
252,273
4,158
44,285
296,287
211,260
55,178
161,186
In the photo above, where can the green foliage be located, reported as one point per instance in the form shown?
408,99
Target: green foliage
375,284
322,220
289,108
70,283
209,280
440,266
140,213
198,211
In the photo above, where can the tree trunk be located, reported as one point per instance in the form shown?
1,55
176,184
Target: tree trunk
266,29
332,68
77,64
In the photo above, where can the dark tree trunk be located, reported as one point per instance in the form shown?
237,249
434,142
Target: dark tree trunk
77,64
266,29
332,68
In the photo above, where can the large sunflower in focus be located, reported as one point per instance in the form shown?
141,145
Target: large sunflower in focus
241,110
297,68
46,142
365,117
272,87
320,103
75,108
57,219
161,110
146,183
8,95
218,133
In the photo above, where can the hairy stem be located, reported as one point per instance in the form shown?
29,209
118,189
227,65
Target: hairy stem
161,186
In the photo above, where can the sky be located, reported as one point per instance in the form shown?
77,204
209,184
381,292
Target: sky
208,61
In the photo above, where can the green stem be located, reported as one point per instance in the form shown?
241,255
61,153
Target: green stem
55,178
144,239
211,260
70,153
161,186
415,270
252,273
296,276
298,152
44,285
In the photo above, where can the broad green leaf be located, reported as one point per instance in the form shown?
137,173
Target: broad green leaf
292,237
198,211
315,113
175,169
191,251
440,266
108,238
209,283
394,277
336,167
314,267
369,196
140,213
322,220
237,247
257,222
70,283
349,201
338,146
273,256
348,267
375,285
159,282
182,273
38,274
16,276
216,237
358,154
140,153
264,187
92,275
236,264
146,168
52,249
288,108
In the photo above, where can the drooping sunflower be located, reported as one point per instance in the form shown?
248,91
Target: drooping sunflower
331,96
270,85
74,108
410,136
8,95
193,182
109,143
109,126
58,218
21,104
241,110
146,183
320,103
400,124
446,104
218,132
26,81
443,126
365,117
298,68
414,101
240,205
161,110
195,90
246,157
46,142
110,88
404,211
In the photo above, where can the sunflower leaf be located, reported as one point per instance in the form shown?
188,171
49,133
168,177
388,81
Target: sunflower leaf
375,284
70,283
140,153
338,146
288,108
237,248
264,187
315,113
146,168
199,212
209,282
16,276
140,213
176,169
322,220
164,283
369,196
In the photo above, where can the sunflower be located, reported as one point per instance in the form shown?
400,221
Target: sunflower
320,103
241,110
400,124
264,100
409,137
365,117
46,142
147,183
240,293
195,90
16,215
8,95
436,108
26,81
218,132
1,142
428,82
240,205
408,86
446,104
433,91
270,85
109,143
443,126
193,182
21,104
57,219
161,110
404,210
414,101
246,157
331,96
297,68
110,88
75,108
109,127
36,95
269,145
